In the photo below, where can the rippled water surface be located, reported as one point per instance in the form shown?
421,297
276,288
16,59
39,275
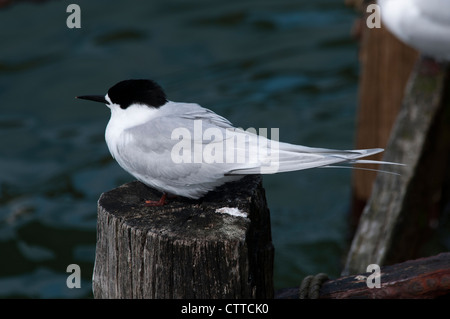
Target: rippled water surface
291,65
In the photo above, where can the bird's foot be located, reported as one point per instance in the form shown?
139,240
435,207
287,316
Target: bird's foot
153,203
430,67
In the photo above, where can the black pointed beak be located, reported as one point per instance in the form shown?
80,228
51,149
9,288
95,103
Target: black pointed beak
95,98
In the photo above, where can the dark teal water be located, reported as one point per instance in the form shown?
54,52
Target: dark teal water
281,64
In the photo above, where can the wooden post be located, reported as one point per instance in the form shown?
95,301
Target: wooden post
386,64
401,209
187,248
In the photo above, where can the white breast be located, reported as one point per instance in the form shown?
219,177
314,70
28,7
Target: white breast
422,24
122,119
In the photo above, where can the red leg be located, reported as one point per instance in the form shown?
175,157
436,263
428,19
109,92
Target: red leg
430,67
160,202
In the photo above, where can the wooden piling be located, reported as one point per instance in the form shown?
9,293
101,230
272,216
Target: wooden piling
401,209
386,64
187,248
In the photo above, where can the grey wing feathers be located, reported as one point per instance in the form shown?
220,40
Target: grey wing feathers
149,147
286,157
291,157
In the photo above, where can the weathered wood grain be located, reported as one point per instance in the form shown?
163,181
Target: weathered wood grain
386,64
424,278
184,249
397,217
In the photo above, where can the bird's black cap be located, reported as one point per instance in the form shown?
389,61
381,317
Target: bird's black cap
128,92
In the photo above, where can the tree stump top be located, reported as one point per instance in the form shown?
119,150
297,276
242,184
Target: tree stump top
199,219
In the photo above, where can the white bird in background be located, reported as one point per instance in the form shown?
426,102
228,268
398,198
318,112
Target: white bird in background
422,24
143,135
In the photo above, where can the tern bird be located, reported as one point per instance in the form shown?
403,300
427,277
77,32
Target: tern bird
187,150
422,24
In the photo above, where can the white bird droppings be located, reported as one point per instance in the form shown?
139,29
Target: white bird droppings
233,211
